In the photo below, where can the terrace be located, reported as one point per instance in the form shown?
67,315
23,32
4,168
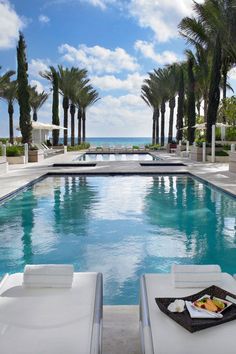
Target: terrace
115,338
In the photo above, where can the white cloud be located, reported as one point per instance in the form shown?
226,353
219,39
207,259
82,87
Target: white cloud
44,19
132,83
148,51
119,116
39,86
162,17
99,59
10,25
232,74
37,65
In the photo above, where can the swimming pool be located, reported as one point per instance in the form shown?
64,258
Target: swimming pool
122,226
117,157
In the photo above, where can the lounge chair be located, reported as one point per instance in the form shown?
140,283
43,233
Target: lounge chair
38,319
162,335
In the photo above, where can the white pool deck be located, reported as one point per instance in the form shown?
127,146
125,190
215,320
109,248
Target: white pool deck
121,334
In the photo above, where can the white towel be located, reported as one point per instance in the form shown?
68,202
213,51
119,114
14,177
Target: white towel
48,276
196,276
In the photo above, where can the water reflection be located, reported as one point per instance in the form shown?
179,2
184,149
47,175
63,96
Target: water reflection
121,226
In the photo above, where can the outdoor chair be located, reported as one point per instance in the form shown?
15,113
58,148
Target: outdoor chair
50,309
162,335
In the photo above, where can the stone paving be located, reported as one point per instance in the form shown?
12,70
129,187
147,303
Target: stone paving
121,324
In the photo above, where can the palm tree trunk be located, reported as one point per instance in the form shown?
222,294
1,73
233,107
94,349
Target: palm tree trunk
153,128
191,102
72,113
214,91
224,73
163,110
180,113
65,105
11,130
84,125
171,121
55,108
157,125
205,107
35,117
79,125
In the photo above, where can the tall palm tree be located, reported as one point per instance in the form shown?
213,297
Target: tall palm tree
150,95
4,80
181,97
191,103
172,83
86,98
214,28
52,76
67,79
37,100
80,82
9,94
161,75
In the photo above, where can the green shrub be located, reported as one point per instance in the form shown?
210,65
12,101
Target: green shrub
227,147
82,146
221,153
3,140
135,147
153,147
15,150
230,134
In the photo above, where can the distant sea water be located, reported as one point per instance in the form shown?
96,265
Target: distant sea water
111,141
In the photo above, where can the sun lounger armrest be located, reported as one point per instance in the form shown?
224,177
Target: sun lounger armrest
145,329
96,344
3,279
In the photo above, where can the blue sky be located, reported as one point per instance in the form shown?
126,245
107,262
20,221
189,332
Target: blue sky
118,41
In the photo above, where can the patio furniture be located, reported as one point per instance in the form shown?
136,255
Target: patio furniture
161,335
45,313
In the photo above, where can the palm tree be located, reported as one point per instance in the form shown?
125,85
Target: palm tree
172,85
67,80
181,97
191,104
37,100
150,95
214,28
52,76
4,81
80,82
87,97
161,75
9,94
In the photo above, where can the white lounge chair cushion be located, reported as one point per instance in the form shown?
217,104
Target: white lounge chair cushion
48,276
47,321
170,338
196,276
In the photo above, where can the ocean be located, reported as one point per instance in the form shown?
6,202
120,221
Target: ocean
111,141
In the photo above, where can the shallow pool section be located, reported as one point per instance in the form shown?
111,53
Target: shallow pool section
122,226
117,157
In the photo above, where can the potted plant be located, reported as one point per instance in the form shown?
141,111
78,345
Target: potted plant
35,155
15,155
171,146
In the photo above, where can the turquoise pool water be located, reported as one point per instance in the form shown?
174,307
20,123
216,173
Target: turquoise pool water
117,157
122,226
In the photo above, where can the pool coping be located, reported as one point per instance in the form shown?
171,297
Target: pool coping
12,194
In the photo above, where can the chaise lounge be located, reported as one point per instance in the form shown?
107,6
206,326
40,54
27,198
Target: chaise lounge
50,309
161,335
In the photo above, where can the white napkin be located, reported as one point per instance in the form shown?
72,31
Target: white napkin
195,313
